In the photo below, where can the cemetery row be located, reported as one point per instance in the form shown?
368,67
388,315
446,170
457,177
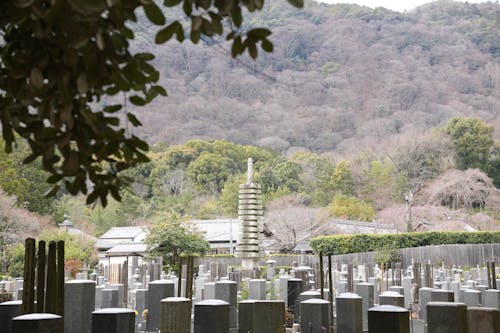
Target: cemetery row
358,299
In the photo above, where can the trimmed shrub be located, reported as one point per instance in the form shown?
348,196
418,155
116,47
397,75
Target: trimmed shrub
344,244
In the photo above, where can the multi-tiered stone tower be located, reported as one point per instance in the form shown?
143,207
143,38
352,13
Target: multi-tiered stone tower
250,216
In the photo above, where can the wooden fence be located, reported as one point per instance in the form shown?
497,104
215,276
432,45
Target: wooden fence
451,254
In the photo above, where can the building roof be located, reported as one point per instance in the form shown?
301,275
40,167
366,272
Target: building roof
129,249
218,230
123,232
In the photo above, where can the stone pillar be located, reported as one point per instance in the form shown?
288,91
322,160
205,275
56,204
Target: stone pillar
315,316
257,289
388,319
38,323
295,287
349,313
367,292
141,301
261,316
228,291
175,315
492,299
446,317
158,290
407,282
9,310
424,297
392,298
483,320
211,316
79,303
440,295
283,288
115,320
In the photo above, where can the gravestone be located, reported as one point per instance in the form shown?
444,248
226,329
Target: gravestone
261,316
98,297
315,316
440,295
388,319
257,289
158,290
175,315
392,298
295,288
209,290
113,320
492,298
211,316
483,320
110,298
38,323
228,292
9,310
349,308
79,303
141,302
446,317
304,296
424,297
472,298
366,291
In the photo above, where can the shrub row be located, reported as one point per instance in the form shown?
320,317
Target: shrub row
343,244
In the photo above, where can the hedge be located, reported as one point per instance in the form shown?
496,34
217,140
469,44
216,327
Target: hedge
344,244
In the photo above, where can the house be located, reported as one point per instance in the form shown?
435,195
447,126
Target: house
222,234
121,242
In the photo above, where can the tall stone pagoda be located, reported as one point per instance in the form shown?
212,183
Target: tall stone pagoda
250,216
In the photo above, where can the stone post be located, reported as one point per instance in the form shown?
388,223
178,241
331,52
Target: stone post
9,310
211,316
349,313
388,319
141,301
446,317
310,294
315,316
175,315
38,323
79,303
115,320
158,290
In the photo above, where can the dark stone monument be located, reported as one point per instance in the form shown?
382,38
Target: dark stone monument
388,319
211,316
114,320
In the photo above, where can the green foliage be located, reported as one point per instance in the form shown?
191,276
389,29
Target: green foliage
75,247
343,244
171,237
228,199
387,255
472,141
210,171
14,260
59,110
351,208
342,180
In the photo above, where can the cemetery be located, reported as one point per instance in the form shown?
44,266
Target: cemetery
345,286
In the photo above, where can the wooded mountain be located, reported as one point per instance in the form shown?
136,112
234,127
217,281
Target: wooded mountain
341,78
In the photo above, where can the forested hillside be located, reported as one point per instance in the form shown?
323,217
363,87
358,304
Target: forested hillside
341,78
